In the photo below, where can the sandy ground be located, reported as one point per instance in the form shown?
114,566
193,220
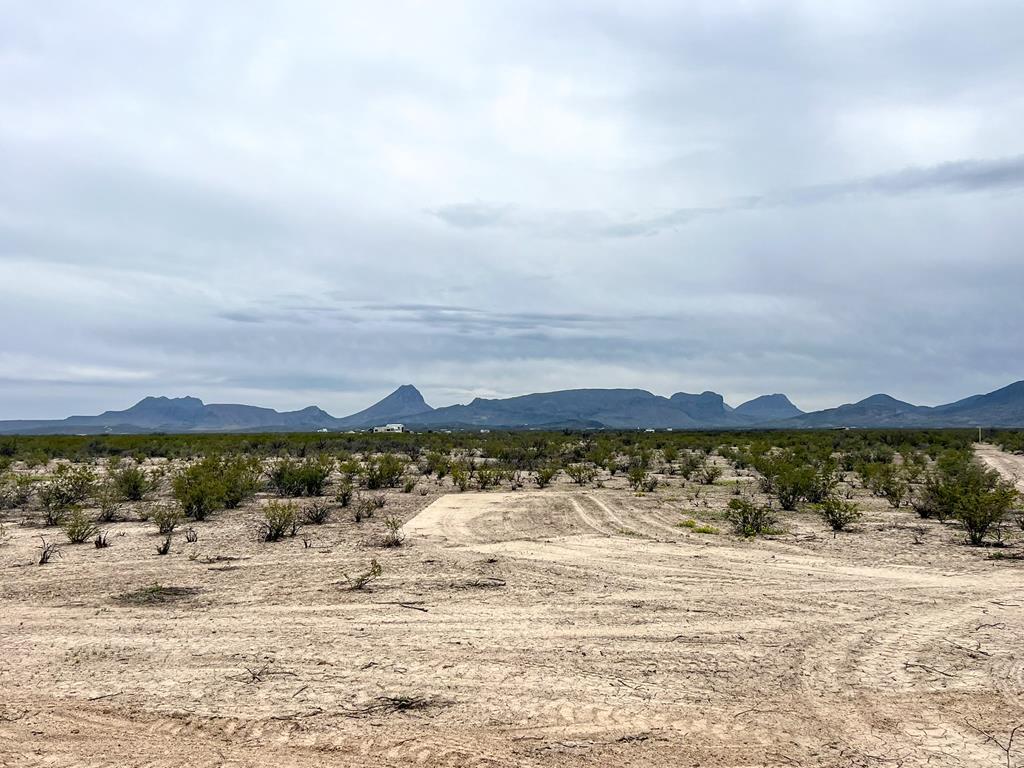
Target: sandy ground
563,627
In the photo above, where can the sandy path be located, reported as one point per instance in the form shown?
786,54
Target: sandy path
562,627
1010,465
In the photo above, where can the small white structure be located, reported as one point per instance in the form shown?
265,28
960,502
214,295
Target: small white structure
390,428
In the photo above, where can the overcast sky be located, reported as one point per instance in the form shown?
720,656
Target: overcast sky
295,203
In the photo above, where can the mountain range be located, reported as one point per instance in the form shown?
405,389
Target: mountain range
565,409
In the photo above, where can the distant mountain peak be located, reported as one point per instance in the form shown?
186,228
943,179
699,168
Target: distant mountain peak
884,400
769,408
187,400
403,402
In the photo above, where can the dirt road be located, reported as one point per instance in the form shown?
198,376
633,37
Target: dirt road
564,627
1010,465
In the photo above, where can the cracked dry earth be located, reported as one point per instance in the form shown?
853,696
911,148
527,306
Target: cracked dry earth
563,627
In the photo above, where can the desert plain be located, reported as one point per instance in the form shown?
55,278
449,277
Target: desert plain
563,626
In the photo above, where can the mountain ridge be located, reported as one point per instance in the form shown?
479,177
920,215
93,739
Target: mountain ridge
590,408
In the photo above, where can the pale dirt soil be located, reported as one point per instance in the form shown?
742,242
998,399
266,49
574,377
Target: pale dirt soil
563,627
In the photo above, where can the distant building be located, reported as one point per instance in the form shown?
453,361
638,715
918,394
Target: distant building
390,428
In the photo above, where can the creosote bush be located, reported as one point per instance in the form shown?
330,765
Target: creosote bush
300,478
167,518
961,489
581,474
108,499
488,475
748,518
709,473
383,471
69,486
280,519
131,483
838,514
345,491
79,526
199,489
15,491
462,473
545,475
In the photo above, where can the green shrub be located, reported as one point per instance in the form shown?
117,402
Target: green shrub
344,496
581,474
393,537
462,473
750,519
436,463
280,518
980,499
78,526
487,476
886,481
690,464
822,486
794,484
962,489
838,514
638,477
545,475
200,488
350,470
69,486
709,473
109,500
167,518
131,483
15,491
300,478
384,471
240,477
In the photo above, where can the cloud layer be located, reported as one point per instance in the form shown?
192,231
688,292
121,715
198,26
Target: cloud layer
296,203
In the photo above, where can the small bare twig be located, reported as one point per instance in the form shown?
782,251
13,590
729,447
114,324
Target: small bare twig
910,664
969,651
990,737
105,696
997,625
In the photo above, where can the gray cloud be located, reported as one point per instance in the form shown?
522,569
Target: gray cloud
963,176
291,205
